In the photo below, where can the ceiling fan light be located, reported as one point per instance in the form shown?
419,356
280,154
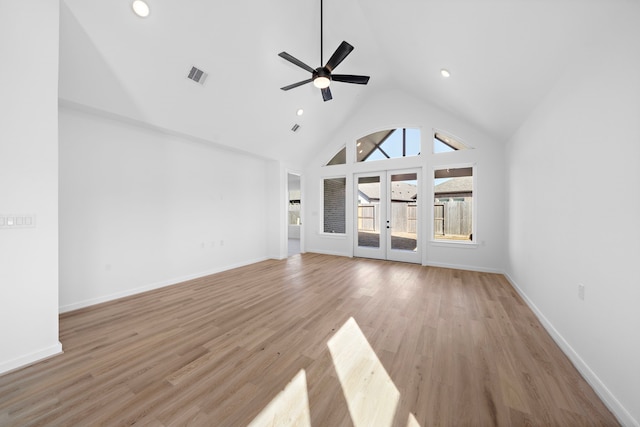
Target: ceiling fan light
321,82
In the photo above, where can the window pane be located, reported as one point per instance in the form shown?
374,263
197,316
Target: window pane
453,204
340,158
334,205
440,147
376,155
444,143
392,146
413,142
388,144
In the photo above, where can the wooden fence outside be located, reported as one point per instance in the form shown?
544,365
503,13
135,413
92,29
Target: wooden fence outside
403,217
452,218
367,215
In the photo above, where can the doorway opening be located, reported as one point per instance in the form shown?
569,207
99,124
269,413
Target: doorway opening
294,210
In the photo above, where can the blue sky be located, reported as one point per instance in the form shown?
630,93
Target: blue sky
393,145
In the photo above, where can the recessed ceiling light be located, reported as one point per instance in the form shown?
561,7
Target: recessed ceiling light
445,73
300,111
140,8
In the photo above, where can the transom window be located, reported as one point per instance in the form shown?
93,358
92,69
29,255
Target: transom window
388,144
445,143
340,158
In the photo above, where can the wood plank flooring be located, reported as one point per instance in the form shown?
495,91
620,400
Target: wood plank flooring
461,349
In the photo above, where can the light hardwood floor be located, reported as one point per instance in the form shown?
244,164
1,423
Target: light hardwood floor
459,348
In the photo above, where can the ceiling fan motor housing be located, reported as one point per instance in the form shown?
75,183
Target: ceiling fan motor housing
322,72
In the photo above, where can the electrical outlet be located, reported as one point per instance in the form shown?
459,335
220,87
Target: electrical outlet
581,291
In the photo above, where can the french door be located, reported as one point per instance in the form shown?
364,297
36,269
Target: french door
387,215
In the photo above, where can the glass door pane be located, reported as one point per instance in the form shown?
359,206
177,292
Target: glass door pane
369,211
404,202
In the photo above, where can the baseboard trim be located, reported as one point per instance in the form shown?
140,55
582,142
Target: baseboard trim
464,267
619,411
169,282
428,264
322,252
30,359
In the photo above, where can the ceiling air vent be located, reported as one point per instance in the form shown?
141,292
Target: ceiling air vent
295,127
197,75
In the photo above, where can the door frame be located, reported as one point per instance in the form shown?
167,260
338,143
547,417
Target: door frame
384,250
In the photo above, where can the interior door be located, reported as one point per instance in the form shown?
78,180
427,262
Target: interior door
387,224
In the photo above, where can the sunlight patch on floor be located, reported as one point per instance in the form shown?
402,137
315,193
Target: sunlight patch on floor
412,422
290,407
371,395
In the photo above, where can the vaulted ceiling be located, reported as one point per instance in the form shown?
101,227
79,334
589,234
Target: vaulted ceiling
503,55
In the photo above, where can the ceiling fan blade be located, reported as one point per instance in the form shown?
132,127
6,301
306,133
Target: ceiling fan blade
348,78
326,94
338,56
303,82
296,61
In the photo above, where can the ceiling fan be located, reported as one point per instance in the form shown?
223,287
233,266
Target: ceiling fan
322,76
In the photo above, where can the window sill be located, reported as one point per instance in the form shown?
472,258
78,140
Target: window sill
454,244
337,236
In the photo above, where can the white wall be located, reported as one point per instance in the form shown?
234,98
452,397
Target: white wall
141,209
574,204
29,181
276,210
393,109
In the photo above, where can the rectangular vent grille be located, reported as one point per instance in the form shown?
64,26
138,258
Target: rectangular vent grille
295,127
197,75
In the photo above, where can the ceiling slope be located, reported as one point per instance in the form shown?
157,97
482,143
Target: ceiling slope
504,55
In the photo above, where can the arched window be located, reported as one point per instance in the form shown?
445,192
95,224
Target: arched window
388,144
381,145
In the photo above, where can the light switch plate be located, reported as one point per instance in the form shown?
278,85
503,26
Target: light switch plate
9,221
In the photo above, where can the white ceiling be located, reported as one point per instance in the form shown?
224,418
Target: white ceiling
504,55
